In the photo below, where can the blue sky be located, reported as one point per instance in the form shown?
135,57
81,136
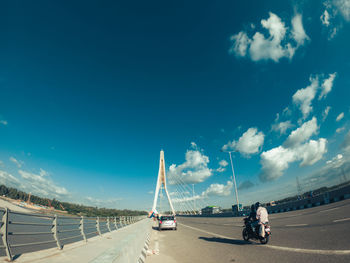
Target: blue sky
91,92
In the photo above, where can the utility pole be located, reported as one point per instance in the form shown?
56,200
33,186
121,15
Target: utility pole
234,180
194,200
299,189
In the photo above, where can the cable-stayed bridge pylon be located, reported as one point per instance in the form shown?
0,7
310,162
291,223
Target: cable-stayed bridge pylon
161,184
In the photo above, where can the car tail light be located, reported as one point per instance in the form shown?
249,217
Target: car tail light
174,221
160,222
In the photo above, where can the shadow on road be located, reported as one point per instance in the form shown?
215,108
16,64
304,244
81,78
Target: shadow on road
226,240
155,228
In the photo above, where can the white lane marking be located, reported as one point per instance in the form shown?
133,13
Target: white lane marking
341,220
209,233
331,209
232,225
311,251
298,225
300,250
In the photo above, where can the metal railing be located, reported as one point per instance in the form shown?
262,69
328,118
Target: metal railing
24,232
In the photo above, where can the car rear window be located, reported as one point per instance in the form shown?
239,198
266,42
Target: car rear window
166,218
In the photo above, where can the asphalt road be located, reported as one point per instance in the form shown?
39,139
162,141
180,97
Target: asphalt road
320,234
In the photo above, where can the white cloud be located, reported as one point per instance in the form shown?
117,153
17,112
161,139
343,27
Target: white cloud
329,16
325,18
16,162
343,7
262,48
193,170
297,147
8,179
336,161
346,143
218,189
223,163
298,30
3,122
221,169
312,151
325,113
304,97
275,161
213,190
340,117
282,127
37,183
302,133
327,85
41,184
339,130
249,143
273,47
241,43
333,33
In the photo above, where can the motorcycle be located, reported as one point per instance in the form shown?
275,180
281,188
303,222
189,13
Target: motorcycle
249,233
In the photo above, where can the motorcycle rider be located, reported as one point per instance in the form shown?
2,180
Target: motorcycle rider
252,218
262,217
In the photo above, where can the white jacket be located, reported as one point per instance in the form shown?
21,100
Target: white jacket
262,215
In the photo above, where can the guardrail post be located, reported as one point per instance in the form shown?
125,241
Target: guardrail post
107,223
98,225
115,223
81,226
55,232
4,233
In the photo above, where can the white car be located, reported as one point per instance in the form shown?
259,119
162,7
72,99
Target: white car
167,222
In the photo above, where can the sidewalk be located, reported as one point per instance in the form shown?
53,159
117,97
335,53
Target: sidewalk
108,248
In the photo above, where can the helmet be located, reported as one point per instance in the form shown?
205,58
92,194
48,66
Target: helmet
257,204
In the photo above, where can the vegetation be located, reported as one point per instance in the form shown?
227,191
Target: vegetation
71,208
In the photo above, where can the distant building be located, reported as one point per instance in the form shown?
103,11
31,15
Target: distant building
209,210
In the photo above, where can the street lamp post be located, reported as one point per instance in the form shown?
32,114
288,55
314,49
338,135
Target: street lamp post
194,200
234,180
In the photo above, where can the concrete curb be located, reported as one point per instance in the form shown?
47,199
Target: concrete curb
143,255
131,249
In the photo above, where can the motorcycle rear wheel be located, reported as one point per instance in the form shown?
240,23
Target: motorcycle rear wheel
245,235
264,240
